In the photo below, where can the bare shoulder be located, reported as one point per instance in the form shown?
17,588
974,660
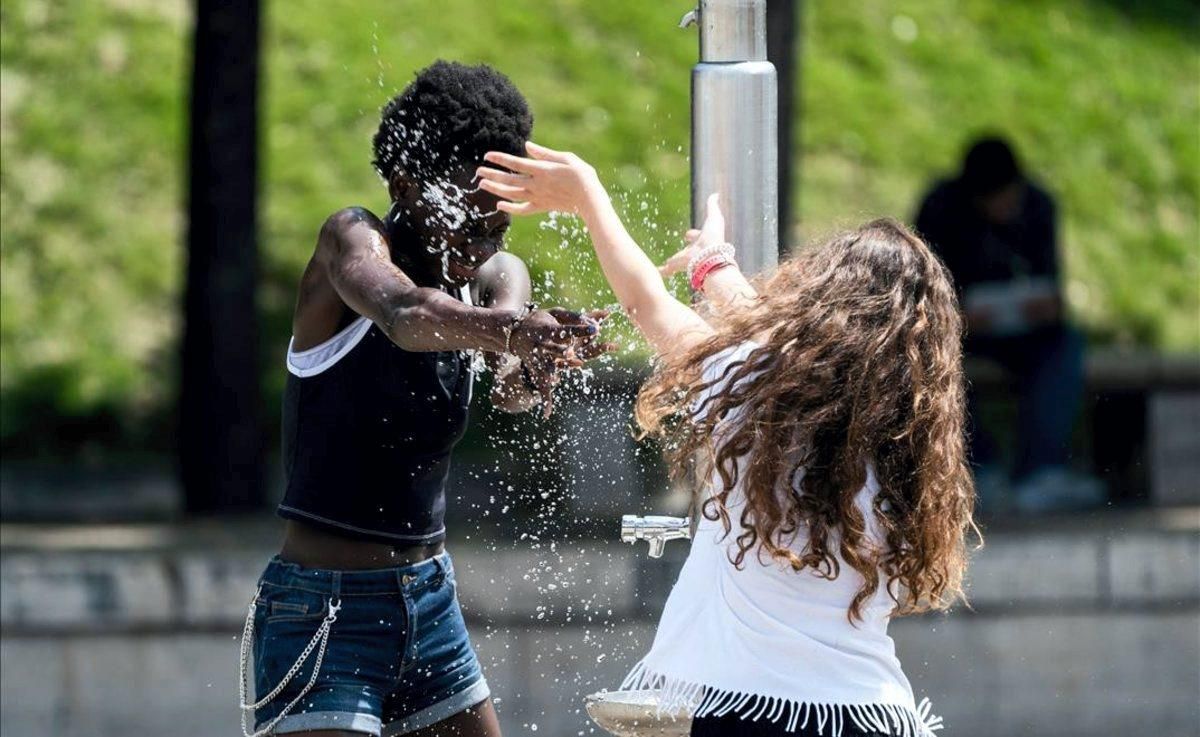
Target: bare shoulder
501,267
350,216
343,221
502,281
320,310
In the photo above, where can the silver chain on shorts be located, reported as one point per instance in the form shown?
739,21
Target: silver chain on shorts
318,642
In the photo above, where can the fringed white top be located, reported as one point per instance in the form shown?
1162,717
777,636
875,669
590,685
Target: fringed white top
772,643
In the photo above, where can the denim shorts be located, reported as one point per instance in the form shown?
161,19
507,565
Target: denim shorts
397,658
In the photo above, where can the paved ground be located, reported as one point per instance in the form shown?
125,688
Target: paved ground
1080,626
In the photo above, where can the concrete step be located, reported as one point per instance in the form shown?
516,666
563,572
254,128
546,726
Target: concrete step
123,577
1078,627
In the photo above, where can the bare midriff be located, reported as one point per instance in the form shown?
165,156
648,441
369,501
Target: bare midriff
312,547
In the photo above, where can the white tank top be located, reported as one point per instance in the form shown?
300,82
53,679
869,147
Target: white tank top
772,643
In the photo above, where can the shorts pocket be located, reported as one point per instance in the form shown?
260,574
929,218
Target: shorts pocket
282,604
284,608
281,663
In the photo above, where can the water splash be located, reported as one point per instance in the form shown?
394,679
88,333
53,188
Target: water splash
538,480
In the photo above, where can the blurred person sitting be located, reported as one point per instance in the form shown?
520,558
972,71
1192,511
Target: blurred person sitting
997,233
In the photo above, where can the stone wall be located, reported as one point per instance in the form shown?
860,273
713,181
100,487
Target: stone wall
114,631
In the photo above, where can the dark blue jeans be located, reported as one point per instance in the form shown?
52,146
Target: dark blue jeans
397,660
1047,368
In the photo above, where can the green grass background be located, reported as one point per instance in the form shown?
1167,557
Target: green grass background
1103,102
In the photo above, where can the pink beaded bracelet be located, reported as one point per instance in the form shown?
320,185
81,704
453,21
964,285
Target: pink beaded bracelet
706,267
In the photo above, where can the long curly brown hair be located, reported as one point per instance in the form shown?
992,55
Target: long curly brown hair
856,360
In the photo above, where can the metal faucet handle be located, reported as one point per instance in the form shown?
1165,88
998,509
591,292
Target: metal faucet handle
690,18
655,530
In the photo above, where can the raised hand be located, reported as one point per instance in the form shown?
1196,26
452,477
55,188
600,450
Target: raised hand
547,180
712,232
678,262
561,181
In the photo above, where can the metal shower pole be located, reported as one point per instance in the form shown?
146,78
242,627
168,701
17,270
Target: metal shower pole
735,127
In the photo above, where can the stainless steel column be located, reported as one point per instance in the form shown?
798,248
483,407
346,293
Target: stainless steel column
734,112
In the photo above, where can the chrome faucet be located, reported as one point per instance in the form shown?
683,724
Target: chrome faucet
656,530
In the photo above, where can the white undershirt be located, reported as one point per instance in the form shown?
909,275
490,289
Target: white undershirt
319,358
774,643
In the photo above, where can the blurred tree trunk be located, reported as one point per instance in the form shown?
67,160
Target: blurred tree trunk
782,40
221,439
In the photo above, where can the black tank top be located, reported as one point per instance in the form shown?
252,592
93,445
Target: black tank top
368,429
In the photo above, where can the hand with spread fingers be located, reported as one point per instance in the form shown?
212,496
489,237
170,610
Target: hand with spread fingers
560,181
591,347
548,334
547,180
549,341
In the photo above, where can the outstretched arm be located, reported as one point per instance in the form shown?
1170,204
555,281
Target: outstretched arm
354,255
554,180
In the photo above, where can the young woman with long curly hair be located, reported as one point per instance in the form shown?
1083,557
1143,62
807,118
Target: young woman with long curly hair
822,410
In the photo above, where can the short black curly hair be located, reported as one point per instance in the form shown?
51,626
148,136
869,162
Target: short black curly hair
449,117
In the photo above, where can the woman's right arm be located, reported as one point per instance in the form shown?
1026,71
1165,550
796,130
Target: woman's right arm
666,323
556,180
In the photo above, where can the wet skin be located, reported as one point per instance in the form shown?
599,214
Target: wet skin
395,271
436,237
469,228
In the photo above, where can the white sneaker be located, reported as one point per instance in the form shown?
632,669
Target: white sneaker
1058,489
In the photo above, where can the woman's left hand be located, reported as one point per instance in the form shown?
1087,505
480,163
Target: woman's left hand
679,262
712,232
547,180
